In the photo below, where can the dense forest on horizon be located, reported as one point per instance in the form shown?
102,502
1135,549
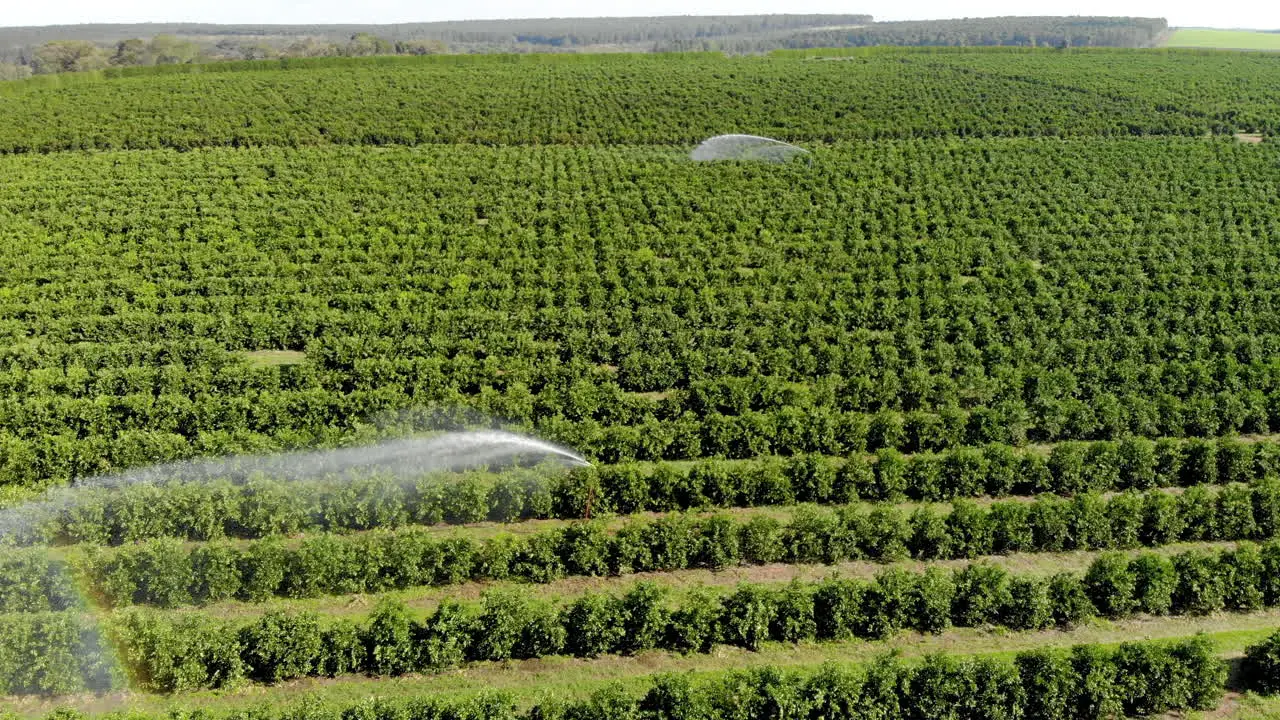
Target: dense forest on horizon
1125,32
69,48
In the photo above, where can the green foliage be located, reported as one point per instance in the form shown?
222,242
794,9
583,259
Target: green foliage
465,501
884,534
813,477
543,633
794,619
1234,513
1198,673
833,692
597,626
809,537
674,697
1154,583
718,544
761,540
817,328
281,646
1199,513
1086,681
1096,693
888,603
630,550
344,649
1270,582
929,536
695,625
1110,584
968,530
645,617
671,540
938,687
389,641
1125,520
215,572
854,479
188,653
748,614
1137,462
1155,679
444,637
1010,530
1067,464
584,549
1088,525
262,569
260,507
162,570
44,653
1260,671
1200,586
890,476
838,607
1163,521
1030,607
502,618
1243,581
1049,519
981,594
31,581
1048,683
1069,601
166,573
935,595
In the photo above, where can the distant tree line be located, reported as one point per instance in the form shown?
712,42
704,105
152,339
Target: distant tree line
1125,32
90,47
61,56
27,51
561,31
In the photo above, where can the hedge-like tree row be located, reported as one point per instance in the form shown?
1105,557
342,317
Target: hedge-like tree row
188,652
262,507
54,653
164,429
168,573
995,470
1086,682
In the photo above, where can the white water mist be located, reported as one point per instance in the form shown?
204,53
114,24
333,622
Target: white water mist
405,458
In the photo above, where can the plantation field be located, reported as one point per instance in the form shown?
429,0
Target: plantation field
1224,39
1034,308
993,374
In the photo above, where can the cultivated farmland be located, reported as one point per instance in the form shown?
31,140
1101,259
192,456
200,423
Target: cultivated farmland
1225,39
989,378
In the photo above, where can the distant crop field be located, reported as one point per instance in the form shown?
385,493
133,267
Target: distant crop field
1225,39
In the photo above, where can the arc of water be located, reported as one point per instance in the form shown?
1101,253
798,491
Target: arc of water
746,147
402,458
